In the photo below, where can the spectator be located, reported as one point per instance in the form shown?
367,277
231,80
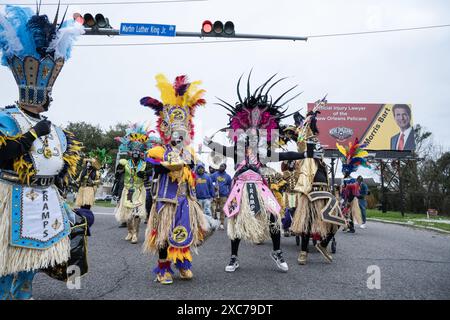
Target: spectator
204,189
363,192
222,181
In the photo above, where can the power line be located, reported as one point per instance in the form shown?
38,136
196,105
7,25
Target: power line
378,31
160,43
249,40
103,3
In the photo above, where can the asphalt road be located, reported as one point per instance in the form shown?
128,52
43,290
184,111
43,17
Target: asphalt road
413,264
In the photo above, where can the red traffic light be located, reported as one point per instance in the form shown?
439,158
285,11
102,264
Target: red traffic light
78,18
207,26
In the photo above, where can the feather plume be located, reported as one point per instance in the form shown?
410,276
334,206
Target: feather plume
62,44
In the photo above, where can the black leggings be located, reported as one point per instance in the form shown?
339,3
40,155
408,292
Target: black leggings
324,243
162,254
274,234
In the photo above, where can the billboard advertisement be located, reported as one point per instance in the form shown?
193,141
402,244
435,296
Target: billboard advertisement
380,126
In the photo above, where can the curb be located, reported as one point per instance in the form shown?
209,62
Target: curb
409,225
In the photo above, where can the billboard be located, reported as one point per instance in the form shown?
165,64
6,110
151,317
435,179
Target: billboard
381,126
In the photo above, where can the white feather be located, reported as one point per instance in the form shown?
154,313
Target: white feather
64,40
14,46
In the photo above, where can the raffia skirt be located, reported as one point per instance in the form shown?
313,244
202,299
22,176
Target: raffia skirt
85,196
16,259
249,227
308,219
126,209
354,211
160,224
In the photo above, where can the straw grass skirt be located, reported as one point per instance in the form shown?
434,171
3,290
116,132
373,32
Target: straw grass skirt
126,209
249,227
85,196
160,224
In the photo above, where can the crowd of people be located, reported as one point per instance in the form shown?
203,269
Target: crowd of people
159,180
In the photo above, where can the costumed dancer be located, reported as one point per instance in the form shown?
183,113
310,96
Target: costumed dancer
318,213
353,156
88,182
177,223
253,211
132,205
36,156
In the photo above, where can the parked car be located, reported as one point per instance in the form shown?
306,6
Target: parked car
107,197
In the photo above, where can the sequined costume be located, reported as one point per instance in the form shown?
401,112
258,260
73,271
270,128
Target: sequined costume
177,223
36,156
132,204
253,211
88,181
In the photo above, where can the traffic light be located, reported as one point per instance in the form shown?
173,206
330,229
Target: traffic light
89,21
218,29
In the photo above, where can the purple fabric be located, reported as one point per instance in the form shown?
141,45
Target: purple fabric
162,269
287,220
182,222
186,264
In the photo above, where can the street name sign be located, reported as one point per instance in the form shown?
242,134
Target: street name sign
145,29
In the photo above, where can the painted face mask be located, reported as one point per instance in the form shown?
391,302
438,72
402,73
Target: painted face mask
137,140
176,109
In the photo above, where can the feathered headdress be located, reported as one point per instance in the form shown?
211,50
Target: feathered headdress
177,107
257,110
353,156
304,129
101,156
138,136
35,50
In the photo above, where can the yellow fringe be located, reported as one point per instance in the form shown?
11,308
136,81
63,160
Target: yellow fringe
24,169
181,254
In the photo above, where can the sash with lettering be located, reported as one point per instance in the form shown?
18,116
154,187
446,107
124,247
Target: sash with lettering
39,219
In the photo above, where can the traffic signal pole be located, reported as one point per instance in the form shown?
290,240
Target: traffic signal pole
116,32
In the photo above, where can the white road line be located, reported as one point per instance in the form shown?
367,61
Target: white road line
104,213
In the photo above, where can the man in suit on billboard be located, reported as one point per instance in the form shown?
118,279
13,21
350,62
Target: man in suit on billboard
404,140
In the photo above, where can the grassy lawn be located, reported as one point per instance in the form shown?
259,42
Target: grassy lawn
411,218
107,204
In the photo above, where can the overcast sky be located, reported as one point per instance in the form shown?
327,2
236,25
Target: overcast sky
103,85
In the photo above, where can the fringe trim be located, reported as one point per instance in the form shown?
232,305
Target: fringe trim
175,254
160,225
24,169
163,267
85,196
254,229
123,213
15,259
307,217
355,211
72,155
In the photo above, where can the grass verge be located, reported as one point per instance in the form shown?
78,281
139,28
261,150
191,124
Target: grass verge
441,223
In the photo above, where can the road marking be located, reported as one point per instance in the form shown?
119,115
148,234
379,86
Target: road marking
104,213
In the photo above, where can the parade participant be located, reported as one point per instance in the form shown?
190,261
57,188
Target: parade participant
177,223
363,192
204,189
88,181
131,207
252,210
36,156
354,156
290,172
317,212
222,182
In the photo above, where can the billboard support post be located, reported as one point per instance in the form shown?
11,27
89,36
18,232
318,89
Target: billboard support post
383,190
400,185
332,174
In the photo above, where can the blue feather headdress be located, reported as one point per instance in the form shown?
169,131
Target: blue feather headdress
35,50
138,136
